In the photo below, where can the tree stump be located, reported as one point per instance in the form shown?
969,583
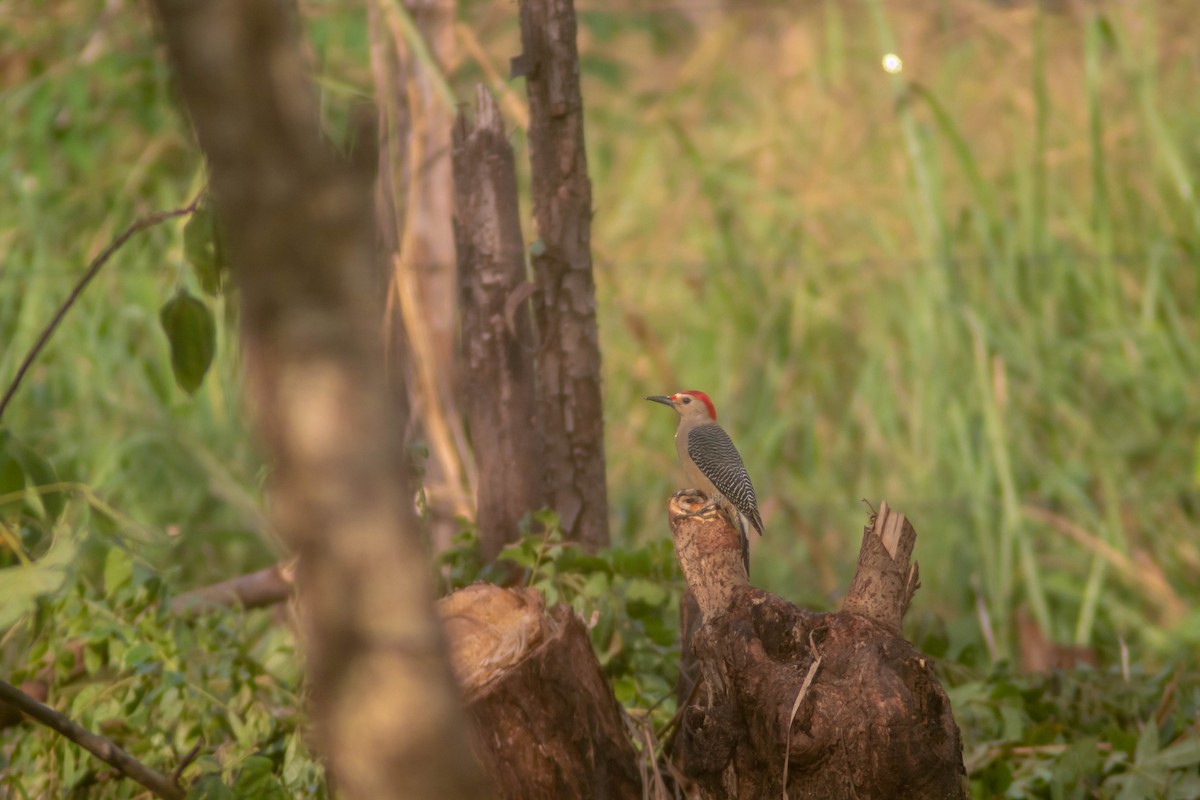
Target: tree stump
798,704
547,725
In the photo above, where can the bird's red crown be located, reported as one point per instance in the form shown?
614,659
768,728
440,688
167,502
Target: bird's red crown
703,398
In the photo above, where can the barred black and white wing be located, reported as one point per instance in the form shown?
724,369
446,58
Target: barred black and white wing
710,447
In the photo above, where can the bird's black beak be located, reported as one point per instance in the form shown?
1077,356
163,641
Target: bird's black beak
666,401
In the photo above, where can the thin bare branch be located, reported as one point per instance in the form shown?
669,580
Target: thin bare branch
101,748
93,269
255,590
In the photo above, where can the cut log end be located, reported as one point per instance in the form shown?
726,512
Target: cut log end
546,721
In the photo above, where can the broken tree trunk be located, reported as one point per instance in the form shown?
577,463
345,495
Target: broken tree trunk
565,304
799,704
498,384
547,726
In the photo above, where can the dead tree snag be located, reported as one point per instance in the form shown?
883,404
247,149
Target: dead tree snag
806,705
565,304
499,387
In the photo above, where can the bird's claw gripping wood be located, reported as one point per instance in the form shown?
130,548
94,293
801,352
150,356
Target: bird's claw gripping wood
693,503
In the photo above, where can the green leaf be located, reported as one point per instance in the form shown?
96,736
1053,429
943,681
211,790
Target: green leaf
137,655
1079,760
12,477
1185,786
524,553
293,763
210,788
1180,755
575,559
633,562
645,593
608,70
21,468
21,585
1134,786
256,778
1108,34
1147,746
118,570
596,586
70,766
1014,722
1196,465
39,472
193,337
92,659
204,249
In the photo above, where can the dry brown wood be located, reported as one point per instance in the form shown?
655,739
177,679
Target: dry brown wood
547,724
884,582
498,382
386,713
800,704
260,589
565,304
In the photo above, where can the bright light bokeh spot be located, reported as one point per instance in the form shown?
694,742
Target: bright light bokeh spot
892,63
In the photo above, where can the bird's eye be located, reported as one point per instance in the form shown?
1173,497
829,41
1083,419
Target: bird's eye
687,400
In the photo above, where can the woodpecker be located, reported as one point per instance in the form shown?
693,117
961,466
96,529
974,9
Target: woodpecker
712,462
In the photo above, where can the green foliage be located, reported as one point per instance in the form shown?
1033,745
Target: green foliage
119,662
968,288
627,596
918,296
36,553
204,248
193,337
28,580
1081,735
27,482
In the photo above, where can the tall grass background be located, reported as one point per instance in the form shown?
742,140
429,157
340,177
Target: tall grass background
968,288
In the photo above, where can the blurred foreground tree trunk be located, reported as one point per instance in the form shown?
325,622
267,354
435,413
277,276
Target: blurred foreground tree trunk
387,716
415,202
565,301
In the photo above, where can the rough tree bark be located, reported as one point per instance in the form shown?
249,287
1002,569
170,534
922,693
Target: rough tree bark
386,712
499,385
802,704
548,726
565,303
